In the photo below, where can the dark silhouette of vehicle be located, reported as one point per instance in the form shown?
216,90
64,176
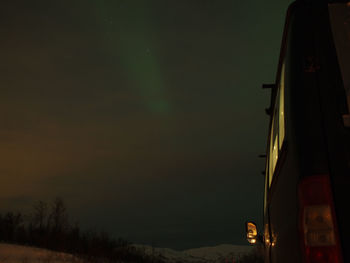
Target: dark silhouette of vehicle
307,177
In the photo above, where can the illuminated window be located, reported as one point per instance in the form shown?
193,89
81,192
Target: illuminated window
277,132
266,184
281,110
273,157
273,149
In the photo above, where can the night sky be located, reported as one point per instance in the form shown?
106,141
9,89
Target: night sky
146,117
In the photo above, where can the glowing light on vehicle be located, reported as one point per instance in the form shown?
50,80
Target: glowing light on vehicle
317,221
318,226
252,232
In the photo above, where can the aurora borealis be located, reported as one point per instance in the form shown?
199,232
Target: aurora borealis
146,117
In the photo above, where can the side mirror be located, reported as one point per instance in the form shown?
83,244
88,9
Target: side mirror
252,232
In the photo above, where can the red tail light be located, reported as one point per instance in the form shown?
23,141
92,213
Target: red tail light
318,227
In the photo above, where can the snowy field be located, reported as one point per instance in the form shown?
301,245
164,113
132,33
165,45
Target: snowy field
217,254
22,254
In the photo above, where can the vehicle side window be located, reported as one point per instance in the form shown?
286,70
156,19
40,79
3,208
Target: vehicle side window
281,124
277,132
266,185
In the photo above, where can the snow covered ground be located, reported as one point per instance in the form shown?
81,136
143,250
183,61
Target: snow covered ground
217,254
22,254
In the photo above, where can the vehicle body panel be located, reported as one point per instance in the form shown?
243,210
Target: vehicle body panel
316,142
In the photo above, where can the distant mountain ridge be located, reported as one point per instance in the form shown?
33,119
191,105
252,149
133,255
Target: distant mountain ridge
215,254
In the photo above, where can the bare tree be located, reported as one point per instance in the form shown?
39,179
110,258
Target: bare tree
40,215
58,216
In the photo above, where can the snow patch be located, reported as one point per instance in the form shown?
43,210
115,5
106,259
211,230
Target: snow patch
215,254
23,254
